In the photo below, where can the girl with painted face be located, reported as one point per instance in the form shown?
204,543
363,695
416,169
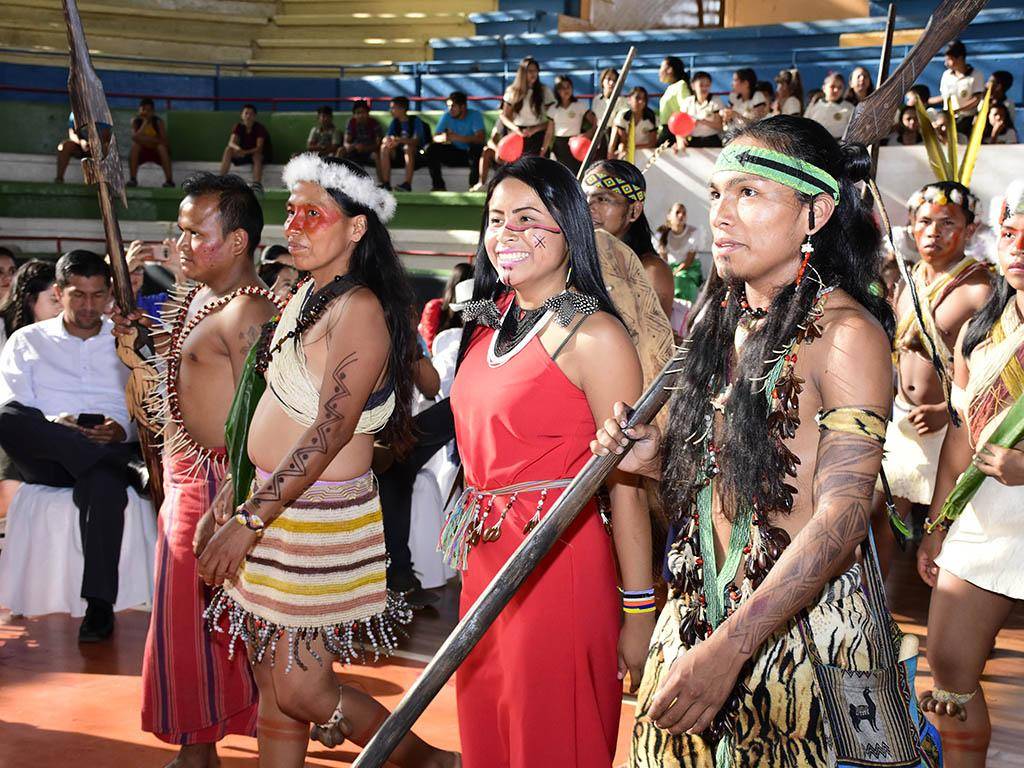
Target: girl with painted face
303,556
973,563
543,357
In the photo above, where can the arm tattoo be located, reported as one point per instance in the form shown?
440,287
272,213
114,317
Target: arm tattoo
248,337
314,451
844,483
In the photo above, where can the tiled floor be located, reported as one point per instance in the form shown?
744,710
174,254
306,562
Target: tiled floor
61,704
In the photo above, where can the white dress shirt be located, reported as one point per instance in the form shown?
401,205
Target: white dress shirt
45,367
834,115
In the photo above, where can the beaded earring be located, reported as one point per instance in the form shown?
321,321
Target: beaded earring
807,248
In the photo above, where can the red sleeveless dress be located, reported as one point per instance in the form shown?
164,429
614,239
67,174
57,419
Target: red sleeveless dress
541,687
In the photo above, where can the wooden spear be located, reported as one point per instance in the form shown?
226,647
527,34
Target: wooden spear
606,116
103,168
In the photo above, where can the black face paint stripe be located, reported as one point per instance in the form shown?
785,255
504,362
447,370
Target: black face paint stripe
746,157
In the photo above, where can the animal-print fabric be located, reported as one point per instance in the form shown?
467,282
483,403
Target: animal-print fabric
780,719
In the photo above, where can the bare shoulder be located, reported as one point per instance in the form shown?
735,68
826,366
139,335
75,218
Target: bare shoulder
358,315
975,289
853,358
603,338
252,308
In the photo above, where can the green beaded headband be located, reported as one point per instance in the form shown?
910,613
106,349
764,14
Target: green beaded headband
784,169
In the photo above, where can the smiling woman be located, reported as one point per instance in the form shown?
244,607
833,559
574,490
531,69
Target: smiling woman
544,355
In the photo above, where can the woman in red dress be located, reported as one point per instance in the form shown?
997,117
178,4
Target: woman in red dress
544,356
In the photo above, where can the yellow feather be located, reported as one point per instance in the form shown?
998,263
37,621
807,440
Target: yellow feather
936,158
974,145
952,143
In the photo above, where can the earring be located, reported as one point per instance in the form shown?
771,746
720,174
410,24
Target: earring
568,275
807,249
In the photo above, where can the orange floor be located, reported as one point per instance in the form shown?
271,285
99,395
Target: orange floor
65,705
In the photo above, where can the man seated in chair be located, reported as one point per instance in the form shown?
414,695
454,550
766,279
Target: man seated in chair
65,423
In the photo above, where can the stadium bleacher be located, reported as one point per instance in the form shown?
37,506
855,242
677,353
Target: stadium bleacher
200,59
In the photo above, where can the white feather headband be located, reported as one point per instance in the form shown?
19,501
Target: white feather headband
309,166
1013,203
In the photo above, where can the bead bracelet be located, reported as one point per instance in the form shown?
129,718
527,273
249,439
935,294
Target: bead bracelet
638,601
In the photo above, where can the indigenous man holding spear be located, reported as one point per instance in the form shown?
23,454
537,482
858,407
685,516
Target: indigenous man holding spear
194,695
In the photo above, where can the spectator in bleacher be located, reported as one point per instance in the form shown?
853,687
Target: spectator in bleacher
640,122
679,244
324,138
437,314
8,268
789,93
606,85
1001,82
621,214
706,111
908,132
405,139
76,145
65,422
833,111
677,89
249,144
860,86
524,110
814,96
149,144
362,137
746,105
489,155
961,84
569,115
1000,128
458,140
765,88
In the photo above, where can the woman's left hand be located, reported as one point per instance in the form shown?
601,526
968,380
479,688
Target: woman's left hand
1004,464
697,686
224,554
634,641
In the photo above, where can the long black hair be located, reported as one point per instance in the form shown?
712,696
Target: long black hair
847,254
32,278
375,265
981,324
562,196
638,236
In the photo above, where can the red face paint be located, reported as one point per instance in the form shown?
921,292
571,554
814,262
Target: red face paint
552,230
310,219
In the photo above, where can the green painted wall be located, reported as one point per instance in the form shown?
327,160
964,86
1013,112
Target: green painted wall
197,135
416,210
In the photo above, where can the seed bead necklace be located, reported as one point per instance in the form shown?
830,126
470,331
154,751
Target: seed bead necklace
181,441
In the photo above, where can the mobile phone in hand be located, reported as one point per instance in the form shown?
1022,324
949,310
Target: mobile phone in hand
90,420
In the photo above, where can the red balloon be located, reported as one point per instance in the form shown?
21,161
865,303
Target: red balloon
681,124
579,146
510,148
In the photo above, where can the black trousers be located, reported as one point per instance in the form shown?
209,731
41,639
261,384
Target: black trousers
449,154
434,428
51,454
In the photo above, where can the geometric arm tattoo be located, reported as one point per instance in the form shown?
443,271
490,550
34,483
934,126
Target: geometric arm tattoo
843,486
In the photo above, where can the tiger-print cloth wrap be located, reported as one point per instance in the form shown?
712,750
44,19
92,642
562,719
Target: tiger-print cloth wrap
780,720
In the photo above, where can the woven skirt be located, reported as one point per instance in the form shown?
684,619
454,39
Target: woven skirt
318,572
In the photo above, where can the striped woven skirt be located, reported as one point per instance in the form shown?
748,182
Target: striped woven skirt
318,573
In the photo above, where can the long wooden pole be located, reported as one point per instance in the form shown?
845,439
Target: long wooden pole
507,581
883,73
606,116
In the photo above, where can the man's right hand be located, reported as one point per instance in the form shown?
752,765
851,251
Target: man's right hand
927,551
125,324
643,458
205,529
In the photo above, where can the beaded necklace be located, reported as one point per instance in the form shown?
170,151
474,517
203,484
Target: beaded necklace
181,441
753,538
313,307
